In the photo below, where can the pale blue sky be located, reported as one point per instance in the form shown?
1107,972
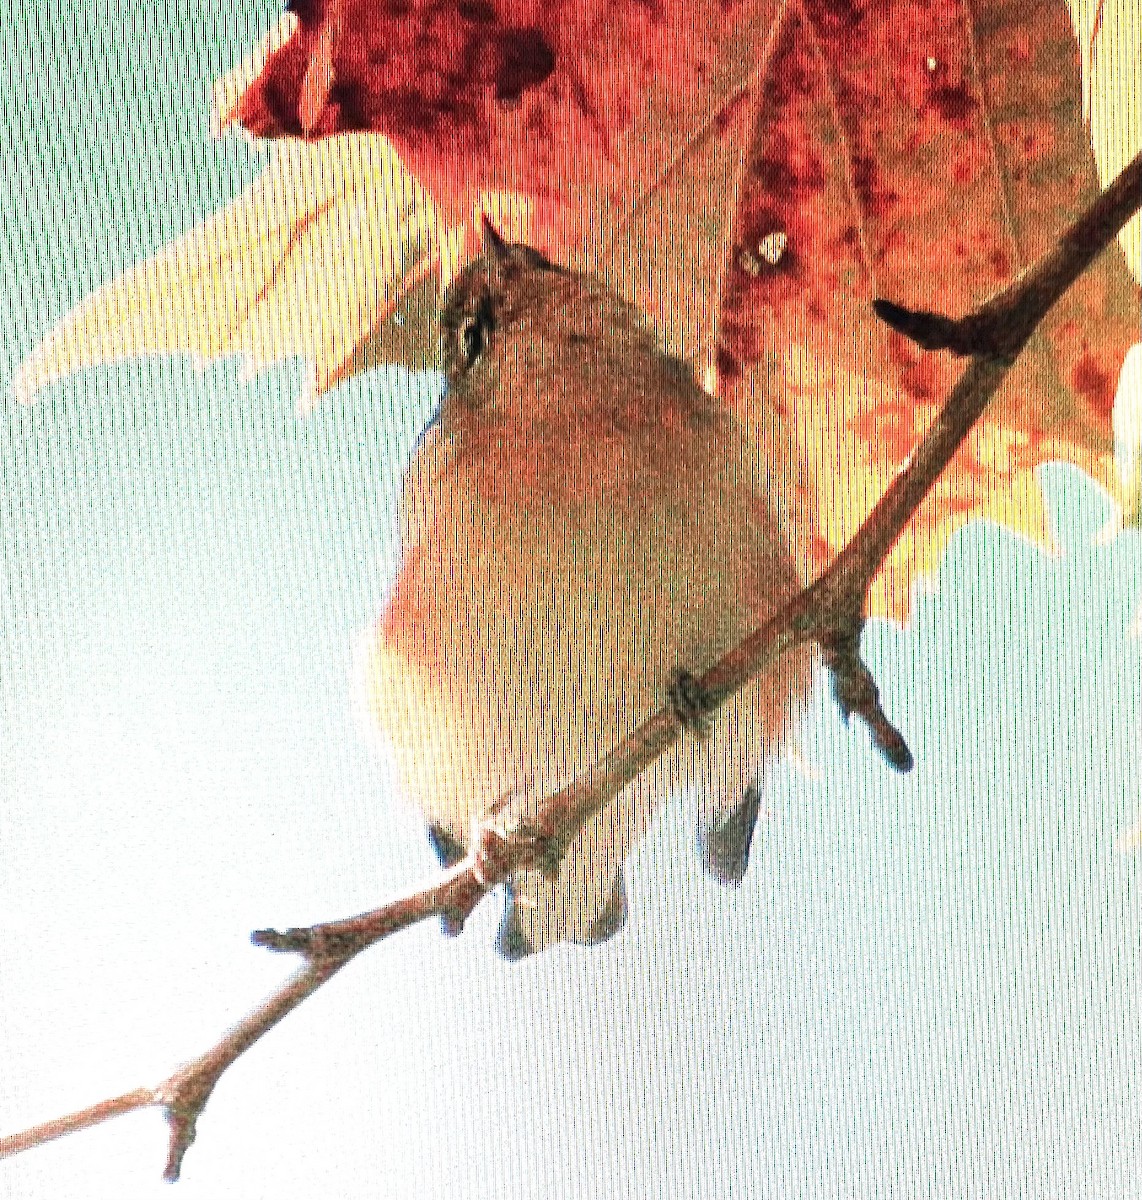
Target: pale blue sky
928,985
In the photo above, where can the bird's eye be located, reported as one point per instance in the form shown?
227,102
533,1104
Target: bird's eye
473,340
475,333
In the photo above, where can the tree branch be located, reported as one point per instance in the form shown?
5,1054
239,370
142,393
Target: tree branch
828,612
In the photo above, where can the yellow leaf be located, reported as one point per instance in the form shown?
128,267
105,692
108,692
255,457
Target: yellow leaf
310,260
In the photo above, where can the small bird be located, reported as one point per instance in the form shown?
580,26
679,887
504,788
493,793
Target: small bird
580,522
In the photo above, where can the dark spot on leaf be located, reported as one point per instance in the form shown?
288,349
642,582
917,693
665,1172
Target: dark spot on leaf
846,14
864,178
1093,383
787,176
964,170
727,365
476,11
526,60
952,103
866,183
1000,262
791,75
350,115
776,176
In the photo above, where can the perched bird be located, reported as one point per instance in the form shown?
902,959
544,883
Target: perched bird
580,522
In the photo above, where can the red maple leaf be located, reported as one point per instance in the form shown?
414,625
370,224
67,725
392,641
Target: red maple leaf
763,170
894,148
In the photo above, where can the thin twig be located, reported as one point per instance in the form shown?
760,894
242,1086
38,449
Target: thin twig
38,1135
829,612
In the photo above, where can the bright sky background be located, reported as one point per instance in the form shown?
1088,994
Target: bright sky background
927,986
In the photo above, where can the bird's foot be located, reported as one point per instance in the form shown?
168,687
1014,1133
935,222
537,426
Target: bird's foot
691,703
503,834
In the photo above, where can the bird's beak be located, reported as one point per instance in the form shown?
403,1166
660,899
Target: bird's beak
495,248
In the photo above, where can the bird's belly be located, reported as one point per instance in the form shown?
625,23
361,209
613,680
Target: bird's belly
526,635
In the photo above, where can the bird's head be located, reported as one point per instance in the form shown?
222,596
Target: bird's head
520,334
